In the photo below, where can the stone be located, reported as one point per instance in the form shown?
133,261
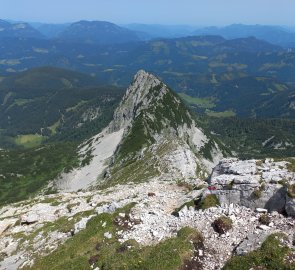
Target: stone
29,218
122,215
107,235
81,225
251,243
263,227
6,224
290,206
261,210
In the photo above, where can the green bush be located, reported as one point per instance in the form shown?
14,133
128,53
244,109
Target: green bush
209,201
291,191
222,224
264,219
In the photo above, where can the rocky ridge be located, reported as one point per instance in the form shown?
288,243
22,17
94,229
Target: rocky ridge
152,134
35,228
154,159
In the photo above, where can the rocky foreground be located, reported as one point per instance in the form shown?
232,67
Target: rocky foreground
32,229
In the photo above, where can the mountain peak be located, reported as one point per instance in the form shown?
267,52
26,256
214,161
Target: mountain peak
153,134
97,32
140,93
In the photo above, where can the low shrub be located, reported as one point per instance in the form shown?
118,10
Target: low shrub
291,191
209,201
222,224
264,219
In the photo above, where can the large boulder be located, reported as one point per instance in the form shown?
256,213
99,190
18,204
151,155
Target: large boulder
250,243
251,183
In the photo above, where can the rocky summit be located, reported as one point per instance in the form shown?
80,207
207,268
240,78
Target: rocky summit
152,135
155,190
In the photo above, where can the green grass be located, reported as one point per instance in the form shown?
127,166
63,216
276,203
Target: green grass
205,103
91,247
29,141
136,171
291,191
291,165
209,201
22,101
54,127
270,256
227,113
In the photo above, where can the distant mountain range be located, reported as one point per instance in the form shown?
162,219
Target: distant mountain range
273,34
153,31
101,32
51,30
18,30
244,77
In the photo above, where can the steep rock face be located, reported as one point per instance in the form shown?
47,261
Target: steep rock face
135,100
161,138
253,183
157,137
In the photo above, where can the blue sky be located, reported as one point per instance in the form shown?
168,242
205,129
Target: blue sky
193,12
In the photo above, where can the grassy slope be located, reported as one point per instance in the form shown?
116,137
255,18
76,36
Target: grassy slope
109,254
271,256
29,140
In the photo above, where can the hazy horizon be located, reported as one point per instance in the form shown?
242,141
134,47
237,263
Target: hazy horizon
164,12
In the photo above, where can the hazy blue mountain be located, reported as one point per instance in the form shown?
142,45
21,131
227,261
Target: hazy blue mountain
97,32
273,34
51,30
162,31
18,30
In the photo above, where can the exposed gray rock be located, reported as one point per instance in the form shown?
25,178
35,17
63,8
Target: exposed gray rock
29,218
5,224
290,206
250,185
107,235
108,208
235,167
251,243
81,225
261,210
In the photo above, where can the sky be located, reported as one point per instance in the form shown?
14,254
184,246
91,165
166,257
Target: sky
171,12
